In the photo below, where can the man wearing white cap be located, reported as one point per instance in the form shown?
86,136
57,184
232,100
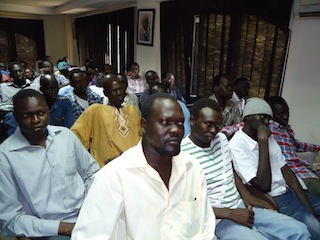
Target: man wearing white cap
259,162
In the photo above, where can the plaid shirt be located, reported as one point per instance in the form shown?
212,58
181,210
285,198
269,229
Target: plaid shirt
289,145
230,114
136,86
92,98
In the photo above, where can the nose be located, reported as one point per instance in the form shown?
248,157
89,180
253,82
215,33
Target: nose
177,129
214,130
35,118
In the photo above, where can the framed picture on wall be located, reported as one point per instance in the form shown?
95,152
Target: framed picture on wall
145,27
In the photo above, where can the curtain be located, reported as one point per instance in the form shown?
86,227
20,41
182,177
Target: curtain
107,38
244,38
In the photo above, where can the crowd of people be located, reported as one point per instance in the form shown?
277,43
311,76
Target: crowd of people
94,154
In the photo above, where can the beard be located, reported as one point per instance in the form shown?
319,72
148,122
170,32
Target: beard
167,150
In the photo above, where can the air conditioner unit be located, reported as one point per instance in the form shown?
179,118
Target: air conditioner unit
306,8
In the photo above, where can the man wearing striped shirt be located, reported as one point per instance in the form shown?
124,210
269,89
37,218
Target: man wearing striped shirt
239,214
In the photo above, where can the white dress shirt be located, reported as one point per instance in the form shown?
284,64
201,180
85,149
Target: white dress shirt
128,198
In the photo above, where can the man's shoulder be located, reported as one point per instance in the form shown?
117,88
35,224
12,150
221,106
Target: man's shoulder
130,158
237,138
59,130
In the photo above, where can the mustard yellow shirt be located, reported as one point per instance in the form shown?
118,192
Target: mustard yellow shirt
107,132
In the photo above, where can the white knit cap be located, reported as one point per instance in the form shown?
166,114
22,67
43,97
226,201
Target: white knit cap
256,106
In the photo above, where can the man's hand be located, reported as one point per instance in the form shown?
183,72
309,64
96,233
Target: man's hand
65,228
243,216
251,200
263,132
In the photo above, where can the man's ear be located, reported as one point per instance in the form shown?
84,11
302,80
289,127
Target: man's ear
215,89
143,125
192,120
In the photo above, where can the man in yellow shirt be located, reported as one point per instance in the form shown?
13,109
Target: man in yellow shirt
108,131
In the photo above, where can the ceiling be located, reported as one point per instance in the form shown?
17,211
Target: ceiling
54,7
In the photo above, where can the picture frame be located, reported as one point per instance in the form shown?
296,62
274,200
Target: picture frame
145,28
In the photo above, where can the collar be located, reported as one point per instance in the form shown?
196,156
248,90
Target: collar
180,162
18,141
17,86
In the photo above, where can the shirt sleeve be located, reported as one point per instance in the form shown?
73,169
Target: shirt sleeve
100,215
13,218
243,162
302,146
87,166
82,128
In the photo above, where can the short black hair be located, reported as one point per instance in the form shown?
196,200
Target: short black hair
276,100
147,105
159,85
218,77
202,103
26,93
134,64
240,81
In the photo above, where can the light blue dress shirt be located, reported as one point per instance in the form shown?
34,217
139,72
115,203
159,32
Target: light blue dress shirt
40,187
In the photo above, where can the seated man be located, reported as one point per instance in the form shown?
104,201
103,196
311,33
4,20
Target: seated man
239,214
8,90
152,191
285,137
62,75
241,88
130,98
160,87
45,173
61,113
222,93
136,83
151,77
259,162
109,130
169,80
289,145
81,96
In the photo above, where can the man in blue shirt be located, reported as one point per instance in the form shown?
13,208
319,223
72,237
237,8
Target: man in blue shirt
45,174
61,111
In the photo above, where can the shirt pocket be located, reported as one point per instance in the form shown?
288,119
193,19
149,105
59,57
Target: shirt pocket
189,218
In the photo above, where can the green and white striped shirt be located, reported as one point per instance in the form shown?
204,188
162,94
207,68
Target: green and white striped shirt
216,162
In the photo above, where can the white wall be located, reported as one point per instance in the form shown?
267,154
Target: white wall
58,38
301,87
149,57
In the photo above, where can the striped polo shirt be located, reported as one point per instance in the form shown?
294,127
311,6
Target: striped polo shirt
216,162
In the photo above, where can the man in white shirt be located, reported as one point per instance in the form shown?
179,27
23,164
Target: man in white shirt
239,214
259,162
152,191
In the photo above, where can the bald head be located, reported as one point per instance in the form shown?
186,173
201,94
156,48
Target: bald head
113,88
49,87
